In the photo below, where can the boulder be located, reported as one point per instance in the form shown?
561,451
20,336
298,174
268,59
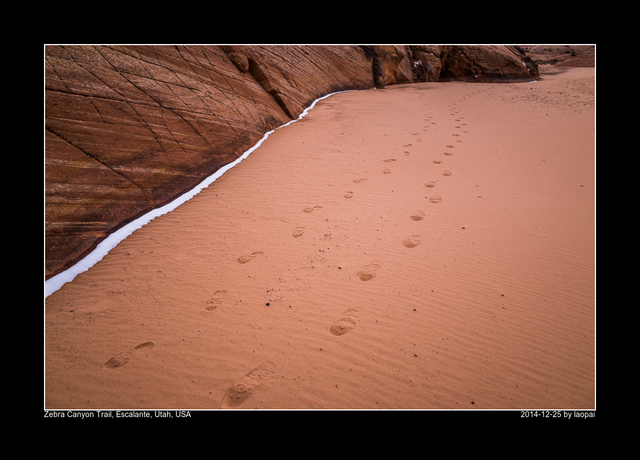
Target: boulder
486,64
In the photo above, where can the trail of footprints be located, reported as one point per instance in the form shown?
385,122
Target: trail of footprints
412,241
242,390
347,323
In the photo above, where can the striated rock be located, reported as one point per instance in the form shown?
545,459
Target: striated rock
129,128
487,64
239,59
297,75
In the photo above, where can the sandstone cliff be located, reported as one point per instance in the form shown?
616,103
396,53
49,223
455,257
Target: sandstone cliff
129,128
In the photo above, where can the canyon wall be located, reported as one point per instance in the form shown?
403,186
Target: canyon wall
129,128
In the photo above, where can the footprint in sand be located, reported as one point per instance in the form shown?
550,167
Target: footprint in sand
308,210
446,173
344,324
368,272
386,171
407,153
144,346
215,301
412,241
348,195
298,232
435,199
358,181
437,161
389,160
430,184
117,361
248,258
123,358
448,153
407,145
242,390
418,215
449,146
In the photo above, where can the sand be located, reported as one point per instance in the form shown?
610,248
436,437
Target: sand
424,246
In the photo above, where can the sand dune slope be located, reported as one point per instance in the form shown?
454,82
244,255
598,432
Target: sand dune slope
425,246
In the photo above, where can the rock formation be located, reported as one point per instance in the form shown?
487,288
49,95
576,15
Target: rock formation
427,63
490,64
129,128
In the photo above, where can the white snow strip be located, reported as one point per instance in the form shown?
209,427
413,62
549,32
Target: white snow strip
56,282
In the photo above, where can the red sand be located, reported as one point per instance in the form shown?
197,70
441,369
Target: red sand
425,246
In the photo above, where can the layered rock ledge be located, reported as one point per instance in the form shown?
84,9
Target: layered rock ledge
129,128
